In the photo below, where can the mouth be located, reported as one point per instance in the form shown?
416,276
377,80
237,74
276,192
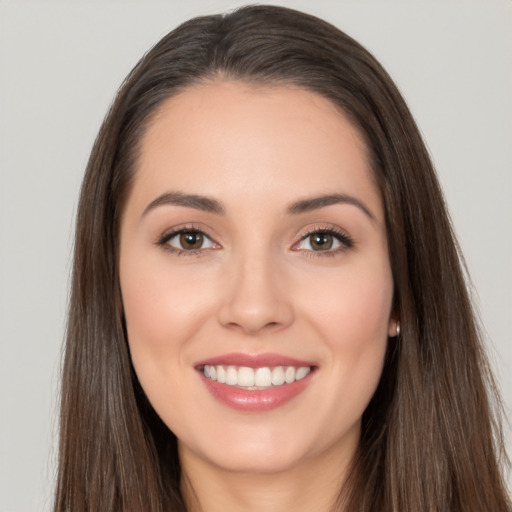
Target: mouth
263,377
255,383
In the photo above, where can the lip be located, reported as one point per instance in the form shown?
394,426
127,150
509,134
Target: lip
254,360
259,400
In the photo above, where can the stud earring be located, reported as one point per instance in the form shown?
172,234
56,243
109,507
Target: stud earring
397,330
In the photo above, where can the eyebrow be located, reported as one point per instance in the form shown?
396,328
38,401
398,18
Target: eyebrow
211,205
206,204
315,203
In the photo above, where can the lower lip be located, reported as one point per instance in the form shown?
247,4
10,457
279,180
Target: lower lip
256,400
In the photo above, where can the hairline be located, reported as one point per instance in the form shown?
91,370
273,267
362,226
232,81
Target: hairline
254,84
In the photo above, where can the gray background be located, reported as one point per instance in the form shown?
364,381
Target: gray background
60,65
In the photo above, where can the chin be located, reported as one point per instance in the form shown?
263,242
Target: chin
257,450
257,461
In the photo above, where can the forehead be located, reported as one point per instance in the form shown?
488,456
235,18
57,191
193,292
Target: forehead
230,136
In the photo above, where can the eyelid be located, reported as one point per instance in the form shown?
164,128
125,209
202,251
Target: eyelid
345,240
164,238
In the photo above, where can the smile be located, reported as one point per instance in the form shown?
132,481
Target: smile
255,378
255,383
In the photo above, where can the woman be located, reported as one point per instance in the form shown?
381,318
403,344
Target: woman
268,309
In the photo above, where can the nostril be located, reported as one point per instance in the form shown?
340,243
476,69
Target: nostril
253,304
253,327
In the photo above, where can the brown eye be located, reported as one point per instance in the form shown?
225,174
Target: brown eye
324,241
321,241
188,241
191,240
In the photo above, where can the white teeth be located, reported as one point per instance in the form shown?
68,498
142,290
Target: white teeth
259,378
221,374
231,376
263,377
289,374
278,376
245,377
300,373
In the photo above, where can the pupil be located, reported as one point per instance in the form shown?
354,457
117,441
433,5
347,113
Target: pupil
321,241
191,240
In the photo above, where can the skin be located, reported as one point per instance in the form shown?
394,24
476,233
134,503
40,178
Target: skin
257,286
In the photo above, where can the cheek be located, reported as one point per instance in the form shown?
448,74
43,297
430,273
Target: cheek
163,309
352,314
161,304
354,303
352,321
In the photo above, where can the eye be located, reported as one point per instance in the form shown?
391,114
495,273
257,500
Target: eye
187,240
324,240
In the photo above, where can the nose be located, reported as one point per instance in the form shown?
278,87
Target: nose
256,299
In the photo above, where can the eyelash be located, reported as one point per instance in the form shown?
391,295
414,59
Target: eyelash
163,241
342,237
346,241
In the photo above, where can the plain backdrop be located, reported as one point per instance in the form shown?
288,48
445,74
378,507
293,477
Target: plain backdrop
60,65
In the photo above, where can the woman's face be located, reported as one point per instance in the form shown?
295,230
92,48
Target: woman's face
253,249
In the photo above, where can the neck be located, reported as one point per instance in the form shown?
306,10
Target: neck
313,485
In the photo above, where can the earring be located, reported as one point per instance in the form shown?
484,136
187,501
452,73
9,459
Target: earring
397,330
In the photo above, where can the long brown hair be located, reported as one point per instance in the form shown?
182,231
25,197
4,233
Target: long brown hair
431,438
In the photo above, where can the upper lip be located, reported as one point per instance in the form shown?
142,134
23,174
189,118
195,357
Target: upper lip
254,360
